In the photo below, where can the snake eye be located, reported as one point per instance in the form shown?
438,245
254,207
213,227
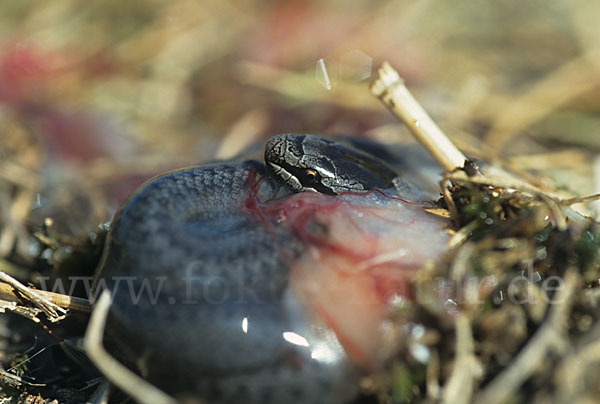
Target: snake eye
311,175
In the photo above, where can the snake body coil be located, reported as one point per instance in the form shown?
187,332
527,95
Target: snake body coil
200,278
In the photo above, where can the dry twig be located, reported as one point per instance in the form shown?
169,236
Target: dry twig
50,309
459,387
62,301
16,379
390,89
136,387
582,199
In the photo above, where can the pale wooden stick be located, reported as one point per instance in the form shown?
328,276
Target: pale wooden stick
390,89
119,375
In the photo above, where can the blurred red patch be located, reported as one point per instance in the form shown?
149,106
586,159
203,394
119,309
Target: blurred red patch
24,70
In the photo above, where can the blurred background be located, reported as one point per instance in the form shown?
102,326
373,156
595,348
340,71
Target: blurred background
98,96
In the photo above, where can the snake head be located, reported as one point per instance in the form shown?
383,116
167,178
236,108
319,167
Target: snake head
313,163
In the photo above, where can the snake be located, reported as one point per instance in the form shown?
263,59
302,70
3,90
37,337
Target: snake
199,276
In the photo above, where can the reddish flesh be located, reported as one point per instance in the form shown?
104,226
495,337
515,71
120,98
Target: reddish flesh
349,274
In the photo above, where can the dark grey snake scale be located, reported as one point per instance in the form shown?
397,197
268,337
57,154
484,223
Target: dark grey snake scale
201,259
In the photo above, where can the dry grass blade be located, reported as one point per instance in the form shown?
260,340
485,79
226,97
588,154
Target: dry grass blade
462,235
136,387
17,380
461,383
432,376
583,199
500,180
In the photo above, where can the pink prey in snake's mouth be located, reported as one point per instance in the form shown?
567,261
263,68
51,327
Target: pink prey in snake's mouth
361,250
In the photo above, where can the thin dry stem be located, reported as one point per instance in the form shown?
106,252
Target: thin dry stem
16,379
64,301
582,199
390,89
449,200
461,383
432,376
136,387
500,179
462,235
52,310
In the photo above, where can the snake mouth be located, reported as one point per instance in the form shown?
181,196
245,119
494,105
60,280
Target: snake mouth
285,176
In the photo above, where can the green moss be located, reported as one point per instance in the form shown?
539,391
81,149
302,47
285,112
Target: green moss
402,386
587,248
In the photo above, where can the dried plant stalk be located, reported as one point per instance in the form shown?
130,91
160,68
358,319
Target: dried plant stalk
136,387
7,292
52,310
390,89
582,199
